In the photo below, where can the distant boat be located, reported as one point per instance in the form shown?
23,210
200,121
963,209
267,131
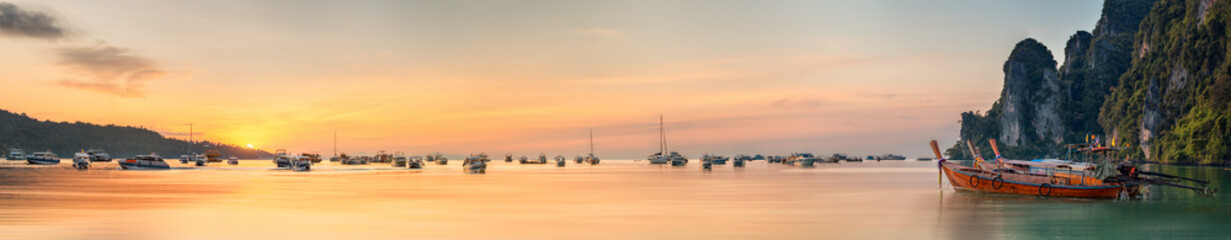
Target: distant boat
924,159
382,157
302,163
775,159
739,159
43,158
282,159
192,158
399,160
213,156
715,159
757,157
561,160
663,156
16,154
591,158
414,162
98,155
233,160
475,164
677,159
81,160
441,159
804,159
144,162
541,160
579,159
891,157
508,157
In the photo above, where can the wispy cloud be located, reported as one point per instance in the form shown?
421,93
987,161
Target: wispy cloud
100,67
108,69
17,22
602,32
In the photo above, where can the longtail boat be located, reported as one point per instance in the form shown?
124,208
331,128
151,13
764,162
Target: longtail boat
1055,178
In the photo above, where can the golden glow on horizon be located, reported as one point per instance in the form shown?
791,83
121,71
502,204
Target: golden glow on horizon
477,77
250,146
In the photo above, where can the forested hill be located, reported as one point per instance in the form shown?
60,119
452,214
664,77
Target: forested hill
64,138
1153,76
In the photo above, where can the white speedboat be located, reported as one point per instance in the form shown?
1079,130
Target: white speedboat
301,163
16,154
43,158
561,160
804,159
281,159
233,160
81,160
144,162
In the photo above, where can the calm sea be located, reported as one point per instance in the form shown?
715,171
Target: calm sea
614,200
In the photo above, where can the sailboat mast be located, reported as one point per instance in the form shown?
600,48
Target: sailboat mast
591,142
335,143
662,135
190,133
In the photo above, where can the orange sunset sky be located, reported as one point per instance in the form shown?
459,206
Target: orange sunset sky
773,77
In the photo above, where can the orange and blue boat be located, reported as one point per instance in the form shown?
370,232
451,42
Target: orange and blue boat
1059,178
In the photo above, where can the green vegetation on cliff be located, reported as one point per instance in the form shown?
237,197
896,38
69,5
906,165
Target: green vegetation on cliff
1171,105
64,138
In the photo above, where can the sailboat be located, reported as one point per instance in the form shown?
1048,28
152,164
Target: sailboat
591,158
663,156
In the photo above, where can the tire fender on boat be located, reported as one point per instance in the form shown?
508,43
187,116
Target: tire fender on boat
996,180
974,181
1045,186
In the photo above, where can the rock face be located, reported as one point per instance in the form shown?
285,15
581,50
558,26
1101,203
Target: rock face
1030,98
1042,107
1171,103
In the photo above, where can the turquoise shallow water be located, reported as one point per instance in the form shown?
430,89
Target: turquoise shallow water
614,200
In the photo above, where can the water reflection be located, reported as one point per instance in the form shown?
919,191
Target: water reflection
613,200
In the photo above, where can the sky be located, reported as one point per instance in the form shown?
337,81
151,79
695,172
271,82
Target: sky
526,77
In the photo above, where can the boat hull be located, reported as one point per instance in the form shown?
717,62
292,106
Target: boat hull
144,165
40,161
973,180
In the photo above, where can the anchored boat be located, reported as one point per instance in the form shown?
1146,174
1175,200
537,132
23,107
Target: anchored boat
98,155
1057,178
16,154
81,160
43,158
664,156
144,162
281,158
475,164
